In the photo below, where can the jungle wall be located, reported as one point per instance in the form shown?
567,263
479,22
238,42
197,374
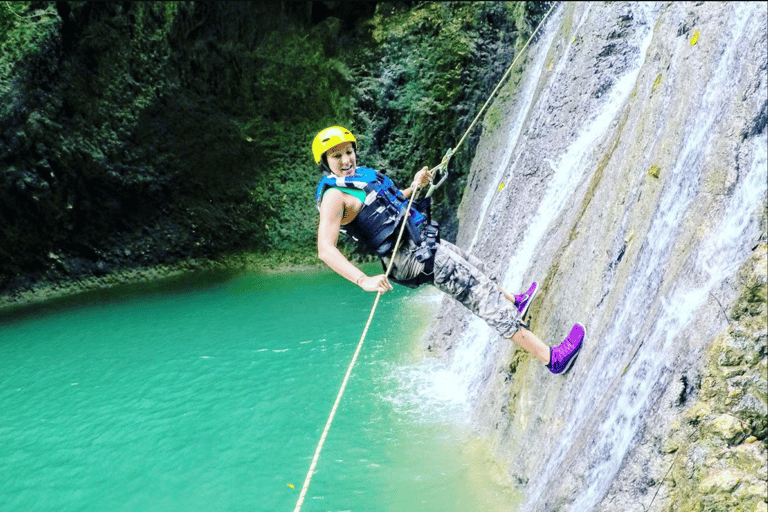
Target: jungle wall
144,135
625,170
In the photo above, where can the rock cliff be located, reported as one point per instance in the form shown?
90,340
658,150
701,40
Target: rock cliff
625,170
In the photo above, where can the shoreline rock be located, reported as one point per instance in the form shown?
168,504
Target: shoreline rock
46,291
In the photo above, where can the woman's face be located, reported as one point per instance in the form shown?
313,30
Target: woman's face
341,159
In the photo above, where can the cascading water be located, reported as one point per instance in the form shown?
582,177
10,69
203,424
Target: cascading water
517,124
678,254
574,162
473,352
620,410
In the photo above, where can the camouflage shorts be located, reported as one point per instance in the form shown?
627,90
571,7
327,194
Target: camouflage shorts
463,277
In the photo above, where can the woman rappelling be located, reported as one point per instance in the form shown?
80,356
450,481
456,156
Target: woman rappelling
367,206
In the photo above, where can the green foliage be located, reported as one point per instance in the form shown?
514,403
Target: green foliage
22,29
436,64
137,133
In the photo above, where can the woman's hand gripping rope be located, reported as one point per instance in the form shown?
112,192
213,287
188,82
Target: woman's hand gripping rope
378,283
422,178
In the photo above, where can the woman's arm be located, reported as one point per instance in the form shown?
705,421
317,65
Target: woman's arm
331,213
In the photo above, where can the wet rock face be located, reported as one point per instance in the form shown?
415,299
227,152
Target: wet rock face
718,446
616,172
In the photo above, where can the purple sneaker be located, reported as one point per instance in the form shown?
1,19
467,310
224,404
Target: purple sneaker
562,356
524,300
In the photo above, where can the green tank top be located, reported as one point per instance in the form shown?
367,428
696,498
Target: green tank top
355,192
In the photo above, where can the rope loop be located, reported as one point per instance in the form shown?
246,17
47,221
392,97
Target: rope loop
441,168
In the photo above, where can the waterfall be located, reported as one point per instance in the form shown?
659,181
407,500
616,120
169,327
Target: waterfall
570,167
677,267
474,353
517,124
617,401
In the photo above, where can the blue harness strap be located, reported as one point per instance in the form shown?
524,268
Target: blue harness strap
370,181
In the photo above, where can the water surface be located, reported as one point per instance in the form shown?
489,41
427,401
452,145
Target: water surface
210,393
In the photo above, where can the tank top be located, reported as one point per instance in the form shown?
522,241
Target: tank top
355,192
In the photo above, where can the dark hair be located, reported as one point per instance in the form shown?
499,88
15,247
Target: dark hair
323,165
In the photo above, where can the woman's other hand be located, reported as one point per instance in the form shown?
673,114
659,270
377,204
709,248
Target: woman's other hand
378,283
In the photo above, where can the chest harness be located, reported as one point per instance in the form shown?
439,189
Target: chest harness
376,225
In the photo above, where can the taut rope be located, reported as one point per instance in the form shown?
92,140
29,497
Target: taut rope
319,448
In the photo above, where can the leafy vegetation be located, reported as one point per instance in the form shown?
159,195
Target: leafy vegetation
436,65
139,133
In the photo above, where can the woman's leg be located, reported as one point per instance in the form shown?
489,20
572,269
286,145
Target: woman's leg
532,344
456,274
475,262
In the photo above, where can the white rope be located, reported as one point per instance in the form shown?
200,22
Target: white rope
328,423
442,166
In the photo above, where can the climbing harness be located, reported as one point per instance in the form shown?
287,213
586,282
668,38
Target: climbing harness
442,167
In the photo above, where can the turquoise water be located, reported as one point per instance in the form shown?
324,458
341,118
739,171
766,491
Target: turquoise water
211,394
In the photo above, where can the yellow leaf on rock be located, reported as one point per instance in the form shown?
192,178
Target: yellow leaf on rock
695,38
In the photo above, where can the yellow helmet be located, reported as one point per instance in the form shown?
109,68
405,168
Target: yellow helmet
329,138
